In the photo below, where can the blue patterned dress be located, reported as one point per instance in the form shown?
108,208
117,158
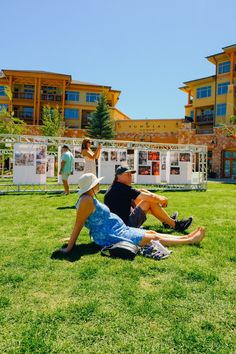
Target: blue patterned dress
107,228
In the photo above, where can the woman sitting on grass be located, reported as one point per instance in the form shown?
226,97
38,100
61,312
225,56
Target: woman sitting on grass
107,228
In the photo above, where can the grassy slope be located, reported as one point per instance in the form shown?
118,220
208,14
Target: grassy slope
184,304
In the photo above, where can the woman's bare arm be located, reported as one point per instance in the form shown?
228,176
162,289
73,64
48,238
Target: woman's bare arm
86,208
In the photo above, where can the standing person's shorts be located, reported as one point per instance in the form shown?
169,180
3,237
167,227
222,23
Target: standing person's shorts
136,217
65,176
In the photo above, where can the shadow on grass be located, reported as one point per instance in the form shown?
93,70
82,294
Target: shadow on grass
66,207
77,252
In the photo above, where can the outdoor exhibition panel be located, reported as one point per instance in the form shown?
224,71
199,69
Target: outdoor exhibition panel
154,167
30,161
78,164
110,159
165,166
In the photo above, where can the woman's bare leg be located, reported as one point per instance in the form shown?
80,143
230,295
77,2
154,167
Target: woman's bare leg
194,237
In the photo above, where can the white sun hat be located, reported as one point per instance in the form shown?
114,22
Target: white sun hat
87,181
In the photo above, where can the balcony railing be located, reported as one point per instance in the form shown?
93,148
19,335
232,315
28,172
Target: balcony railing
23,115
23,95
205,131
51,97
209,118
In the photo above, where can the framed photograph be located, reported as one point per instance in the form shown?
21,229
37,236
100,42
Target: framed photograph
104,156
113,155
174,158
122,156
41,152
24,159
175,170
79,166
184,157
77,154
155,168
40,168
142,157
144,170
153,155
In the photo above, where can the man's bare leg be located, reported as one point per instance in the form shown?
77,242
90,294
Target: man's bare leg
66,186
157,211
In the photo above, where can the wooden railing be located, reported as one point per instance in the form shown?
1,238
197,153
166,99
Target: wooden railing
23,95
51,97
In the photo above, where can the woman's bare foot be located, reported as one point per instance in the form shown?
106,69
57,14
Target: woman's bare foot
198,235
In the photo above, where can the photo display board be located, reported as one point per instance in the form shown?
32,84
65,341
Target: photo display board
148,166
172,167
109,160
179,167
29,163
78,165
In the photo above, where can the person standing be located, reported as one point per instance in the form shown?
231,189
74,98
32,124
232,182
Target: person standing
90,156
66,167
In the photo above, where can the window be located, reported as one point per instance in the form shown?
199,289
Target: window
2,91
224,67
223,88
28,112
230,154
204,92
92,97
208,112
72,96
192,114
3,107
70,113
28,91
221,109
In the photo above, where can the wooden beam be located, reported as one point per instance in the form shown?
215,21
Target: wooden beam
232,55
38,100
10,100
35,100
63,99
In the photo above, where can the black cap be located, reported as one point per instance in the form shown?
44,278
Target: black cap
121,170
65,146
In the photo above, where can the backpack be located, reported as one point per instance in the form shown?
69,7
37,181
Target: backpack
122,249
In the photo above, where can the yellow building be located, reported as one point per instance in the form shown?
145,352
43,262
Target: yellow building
153,130
34,89
211,100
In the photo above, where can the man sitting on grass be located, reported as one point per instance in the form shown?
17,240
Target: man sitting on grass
132,204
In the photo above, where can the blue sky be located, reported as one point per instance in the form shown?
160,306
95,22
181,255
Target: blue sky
146,49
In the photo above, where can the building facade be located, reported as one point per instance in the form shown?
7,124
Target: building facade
31,90
211,104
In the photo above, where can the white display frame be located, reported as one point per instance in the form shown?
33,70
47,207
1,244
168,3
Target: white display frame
29,163
199,161
109,160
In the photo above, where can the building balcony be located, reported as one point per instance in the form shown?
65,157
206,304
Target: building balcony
23,115
203,119
51,97
204,131
23,95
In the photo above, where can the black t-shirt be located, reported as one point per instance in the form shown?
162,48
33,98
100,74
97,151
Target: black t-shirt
119,199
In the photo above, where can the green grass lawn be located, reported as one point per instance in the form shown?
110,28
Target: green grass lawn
91,304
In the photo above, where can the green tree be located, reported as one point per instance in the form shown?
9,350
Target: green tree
100,125
230,129
8,123
52,122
